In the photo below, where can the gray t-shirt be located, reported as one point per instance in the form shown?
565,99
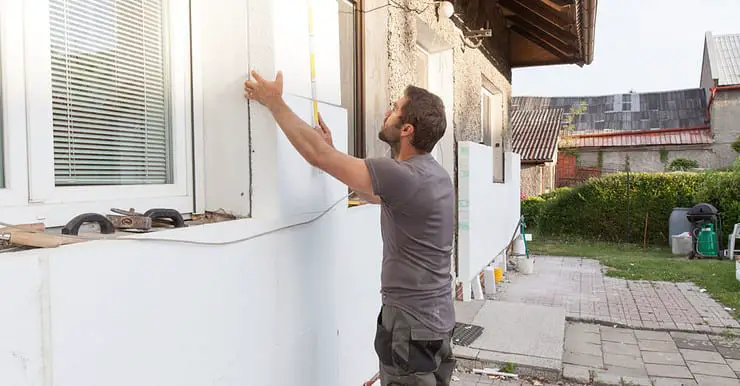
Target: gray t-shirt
416,223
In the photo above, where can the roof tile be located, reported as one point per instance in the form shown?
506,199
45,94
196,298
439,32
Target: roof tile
536,133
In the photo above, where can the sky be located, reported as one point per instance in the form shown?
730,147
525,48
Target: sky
640,45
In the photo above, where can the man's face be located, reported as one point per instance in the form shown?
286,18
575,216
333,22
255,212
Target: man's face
390,133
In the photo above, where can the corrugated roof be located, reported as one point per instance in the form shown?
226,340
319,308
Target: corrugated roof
724,57
535,133
630,111
686,136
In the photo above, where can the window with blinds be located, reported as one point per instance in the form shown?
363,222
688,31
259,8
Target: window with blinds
110,95
2,136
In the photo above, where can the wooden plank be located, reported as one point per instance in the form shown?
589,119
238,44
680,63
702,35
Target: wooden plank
39,240
538,24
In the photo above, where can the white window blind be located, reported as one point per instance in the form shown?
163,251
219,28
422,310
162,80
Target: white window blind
110,94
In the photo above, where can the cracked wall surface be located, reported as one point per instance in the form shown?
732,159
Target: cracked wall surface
391,35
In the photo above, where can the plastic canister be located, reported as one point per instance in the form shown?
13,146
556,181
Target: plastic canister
678,223
682,244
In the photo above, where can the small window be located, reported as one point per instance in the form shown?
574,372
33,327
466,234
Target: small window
492,126
2,134
421,75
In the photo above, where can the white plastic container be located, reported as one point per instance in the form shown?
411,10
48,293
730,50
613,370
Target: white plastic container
519,248
525,265
489,281
681,244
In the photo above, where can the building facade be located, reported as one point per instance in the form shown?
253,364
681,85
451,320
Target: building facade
275,278
720,77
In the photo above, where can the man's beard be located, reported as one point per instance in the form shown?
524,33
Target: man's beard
394,144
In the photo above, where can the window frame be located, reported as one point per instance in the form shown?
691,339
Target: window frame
486,97
492,93
41,181
12,80
358,146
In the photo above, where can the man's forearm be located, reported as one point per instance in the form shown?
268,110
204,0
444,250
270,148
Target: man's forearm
306,140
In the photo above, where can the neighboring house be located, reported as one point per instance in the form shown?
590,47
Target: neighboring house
720,77
536,134
646,130
139,104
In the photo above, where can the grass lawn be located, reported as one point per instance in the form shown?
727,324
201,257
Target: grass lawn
632,262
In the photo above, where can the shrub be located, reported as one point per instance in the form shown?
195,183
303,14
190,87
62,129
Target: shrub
532,210
682,164
597,209
736,145
723,191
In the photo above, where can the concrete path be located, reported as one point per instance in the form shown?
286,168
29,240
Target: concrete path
529,336
580,286
641,357
468,379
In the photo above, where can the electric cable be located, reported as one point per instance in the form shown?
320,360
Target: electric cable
191,242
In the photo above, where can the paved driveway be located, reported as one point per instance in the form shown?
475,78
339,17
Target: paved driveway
580,286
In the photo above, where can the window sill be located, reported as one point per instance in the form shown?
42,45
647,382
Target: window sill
210,229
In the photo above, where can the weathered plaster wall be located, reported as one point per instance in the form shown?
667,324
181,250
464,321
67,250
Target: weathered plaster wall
537,179
725,114
645,160
391,34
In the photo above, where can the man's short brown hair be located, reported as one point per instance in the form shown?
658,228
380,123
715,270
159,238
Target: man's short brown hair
426,112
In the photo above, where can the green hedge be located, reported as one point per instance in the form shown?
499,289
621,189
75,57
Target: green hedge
597,209
723,191
532,211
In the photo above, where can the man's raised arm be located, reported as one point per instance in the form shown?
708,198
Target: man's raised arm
308,142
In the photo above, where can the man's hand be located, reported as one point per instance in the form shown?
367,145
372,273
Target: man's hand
325,132
313,144
268,93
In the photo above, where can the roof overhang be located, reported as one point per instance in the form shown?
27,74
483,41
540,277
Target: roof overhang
540,33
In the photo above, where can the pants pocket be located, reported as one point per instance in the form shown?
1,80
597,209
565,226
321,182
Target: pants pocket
383,343
424,355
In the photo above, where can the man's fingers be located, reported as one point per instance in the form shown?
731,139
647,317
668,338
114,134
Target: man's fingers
279,78
323,125
257,76
250,84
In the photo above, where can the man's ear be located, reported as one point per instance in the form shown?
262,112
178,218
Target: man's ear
407,130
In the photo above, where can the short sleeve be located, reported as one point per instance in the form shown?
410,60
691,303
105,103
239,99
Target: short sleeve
393,181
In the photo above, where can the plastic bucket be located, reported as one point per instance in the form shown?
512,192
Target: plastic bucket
519,247
525,265
498,274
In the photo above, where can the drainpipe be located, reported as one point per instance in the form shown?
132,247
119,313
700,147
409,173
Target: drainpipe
714,91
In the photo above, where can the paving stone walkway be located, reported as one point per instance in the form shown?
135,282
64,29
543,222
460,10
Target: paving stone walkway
643,357
580,286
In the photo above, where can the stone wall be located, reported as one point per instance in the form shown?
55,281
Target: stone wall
725,114
391,35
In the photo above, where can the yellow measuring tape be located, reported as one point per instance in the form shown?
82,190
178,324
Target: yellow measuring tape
311,48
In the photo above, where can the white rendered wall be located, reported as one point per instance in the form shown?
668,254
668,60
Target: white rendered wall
488,211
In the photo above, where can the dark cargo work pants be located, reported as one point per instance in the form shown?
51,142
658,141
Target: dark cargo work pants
410,354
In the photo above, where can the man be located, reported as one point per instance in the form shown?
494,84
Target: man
415,324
